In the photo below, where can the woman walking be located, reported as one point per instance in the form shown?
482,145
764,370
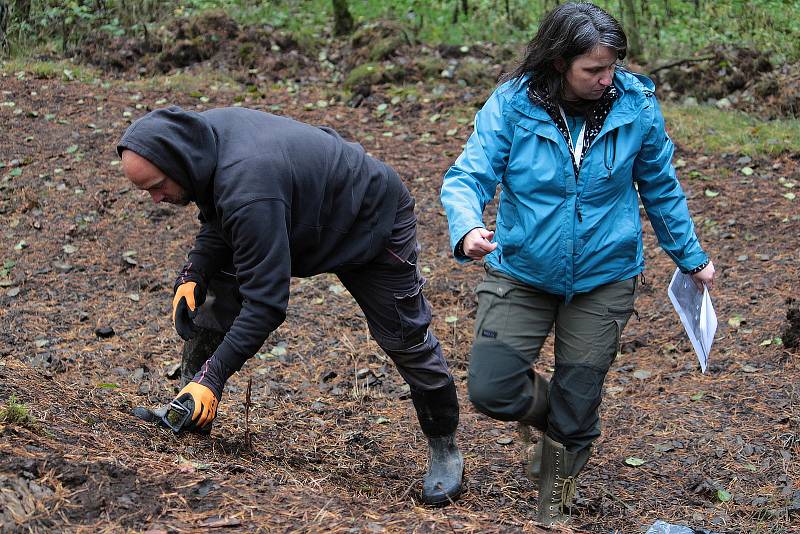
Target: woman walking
574,141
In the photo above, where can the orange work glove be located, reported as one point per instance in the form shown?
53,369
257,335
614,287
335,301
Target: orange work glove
188,296
204,404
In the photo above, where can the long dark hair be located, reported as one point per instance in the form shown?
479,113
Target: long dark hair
566,32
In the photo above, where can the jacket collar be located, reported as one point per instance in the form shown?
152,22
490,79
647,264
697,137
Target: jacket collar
634,90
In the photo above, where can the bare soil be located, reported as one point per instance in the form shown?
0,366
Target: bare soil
335,444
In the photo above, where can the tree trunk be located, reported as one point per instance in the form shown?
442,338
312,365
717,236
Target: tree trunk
460,6
342,19
632,29
4,18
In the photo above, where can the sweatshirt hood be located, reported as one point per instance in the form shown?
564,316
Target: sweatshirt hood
180,143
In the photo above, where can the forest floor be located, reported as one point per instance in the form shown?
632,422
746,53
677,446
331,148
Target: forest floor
335,443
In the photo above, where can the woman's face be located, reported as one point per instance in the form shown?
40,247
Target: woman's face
589,74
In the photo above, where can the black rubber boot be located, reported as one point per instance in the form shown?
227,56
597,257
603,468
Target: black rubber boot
197,350
437,411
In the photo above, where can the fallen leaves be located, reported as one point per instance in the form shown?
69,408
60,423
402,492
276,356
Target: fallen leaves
736,321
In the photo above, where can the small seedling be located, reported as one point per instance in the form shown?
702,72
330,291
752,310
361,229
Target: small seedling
15,412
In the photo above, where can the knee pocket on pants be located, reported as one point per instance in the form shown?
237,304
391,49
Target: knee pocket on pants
413,314
498,375
607,341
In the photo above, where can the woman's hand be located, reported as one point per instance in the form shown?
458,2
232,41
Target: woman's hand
477,243
701,279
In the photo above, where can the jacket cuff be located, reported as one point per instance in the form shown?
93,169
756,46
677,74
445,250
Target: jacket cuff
214,373
191,272
690,261
458,248
698,268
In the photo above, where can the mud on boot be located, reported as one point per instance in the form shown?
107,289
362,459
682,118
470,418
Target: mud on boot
437,411
443,482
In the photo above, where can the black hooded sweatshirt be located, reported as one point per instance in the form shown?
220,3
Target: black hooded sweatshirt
288,199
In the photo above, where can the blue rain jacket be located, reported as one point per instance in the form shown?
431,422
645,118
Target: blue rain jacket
557,232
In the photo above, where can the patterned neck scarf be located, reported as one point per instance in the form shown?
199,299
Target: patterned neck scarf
595,115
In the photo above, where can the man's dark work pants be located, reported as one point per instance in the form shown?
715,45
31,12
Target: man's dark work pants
388,290
512,323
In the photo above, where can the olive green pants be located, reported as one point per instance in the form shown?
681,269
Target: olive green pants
512,323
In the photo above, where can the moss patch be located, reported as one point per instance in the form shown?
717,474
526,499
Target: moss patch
711,130
430,66
365,74
474,72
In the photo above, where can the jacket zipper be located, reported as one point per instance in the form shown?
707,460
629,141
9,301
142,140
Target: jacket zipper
610,164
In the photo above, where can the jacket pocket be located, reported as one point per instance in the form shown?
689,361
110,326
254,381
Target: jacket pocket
511,234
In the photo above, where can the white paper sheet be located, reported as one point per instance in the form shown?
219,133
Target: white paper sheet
696,313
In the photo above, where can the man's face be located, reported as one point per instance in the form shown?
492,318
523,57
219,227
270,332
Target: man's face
590,74
147,177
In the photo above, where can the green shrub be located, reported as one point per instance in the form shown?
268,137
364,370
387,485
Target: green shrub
68,23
